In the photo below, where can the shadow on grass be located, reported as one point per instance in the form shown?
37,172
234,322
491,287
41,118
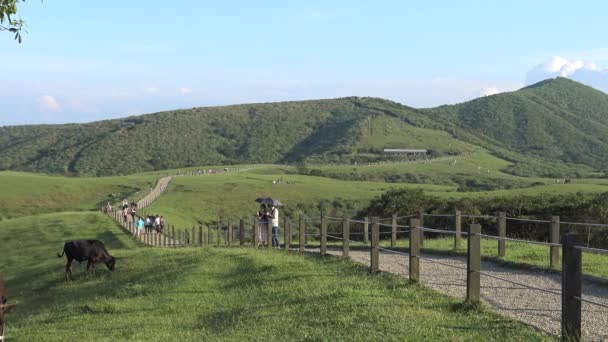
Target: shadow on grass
89,290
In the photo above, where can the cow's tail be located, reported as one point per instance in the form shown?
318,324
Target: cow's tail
61,255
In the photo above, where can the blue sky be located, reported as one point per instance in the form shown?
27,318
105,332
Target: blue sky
90,60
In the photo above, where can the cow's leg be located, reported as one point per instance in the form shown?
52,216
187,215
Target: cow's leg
68,270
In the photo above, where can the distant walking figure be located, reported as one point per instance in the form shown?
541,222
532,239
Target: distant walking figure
273,219
140,226
262,225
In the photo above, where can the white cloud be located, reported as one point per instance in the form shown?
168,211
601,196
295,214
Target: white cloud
151,90
487,91
586,72
185,90
49,104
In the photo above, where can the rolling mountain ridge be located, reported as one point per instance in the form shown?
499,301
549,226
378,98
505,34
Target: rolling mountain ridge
553,122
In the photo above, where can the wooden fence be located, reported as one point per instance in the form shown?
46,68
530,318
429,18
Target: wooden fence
308,230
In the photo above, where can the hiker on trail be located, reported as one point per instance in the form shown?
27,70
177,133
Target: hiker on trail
148,224
133,211
108,207
162,224
262,225
273,218
140,226
125,214
157,224
125,203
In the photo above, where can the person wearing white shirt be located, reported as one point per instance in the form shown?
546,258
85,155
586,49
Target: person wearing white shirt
273,215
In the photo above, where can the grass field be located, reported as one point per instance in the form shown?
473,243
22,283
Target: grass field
26,194
218,294
202,199
193,199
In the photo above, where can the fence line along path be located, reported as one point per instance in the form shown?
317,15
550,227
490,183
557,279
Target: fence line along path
157,240
540,309
160,187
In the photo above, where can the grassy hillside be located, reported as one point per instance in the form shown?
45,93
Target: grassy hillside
203,199
273,132
556,119
28,194
554,128
218,294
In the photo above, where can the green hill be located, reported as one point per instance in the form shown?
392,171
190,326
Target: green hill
554,128
554,120
276,132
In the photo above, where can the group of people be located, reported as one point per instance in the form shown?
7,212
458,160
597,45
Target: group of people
268,216
152,224
128,210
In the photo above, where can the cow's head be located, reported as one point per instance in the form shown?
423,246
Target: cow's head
110,263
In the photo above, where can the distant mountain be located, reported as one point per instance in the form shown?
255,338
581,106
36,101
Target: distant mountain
553,122
272,132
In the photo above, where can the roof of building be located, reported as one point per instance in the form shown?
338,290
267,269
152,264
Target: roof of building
404,150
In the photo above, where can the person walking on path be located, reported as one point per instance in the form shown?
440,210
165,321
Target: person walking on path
125,214
162,225
133,211
157,224
262,225
140,226
273,218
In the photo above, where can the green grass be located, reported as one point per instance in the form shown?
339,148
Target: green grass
219,294
193,199
26,194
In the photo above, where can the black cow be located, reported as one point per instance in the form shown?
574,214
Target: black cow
93,251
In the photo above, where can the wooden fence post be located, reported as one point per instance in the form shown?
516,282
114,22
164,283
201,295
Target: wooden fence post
254,231
269,233
229,234
242,232
302,229
345,237
287,232
571,287
209,237
366,230
421,218
502,233
394,231
200,235
193,237
374,266
173,236
219,234
414,250
323,235
457,229
164,238
473,263
554,238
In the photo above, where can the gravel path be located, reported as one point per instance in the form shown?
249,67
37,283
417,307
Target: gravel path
540,309
160,187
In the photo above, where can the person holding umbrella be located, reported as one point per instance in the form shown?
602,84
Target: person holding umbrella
262,224
273,220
